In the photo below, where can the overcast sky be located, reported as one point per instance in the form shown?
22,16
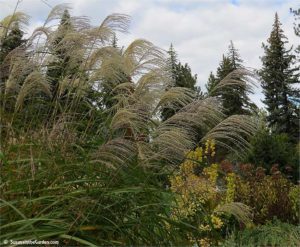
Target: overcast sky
200,30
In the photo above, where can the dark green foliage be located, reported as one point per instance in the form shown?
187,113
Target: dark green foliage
88,201
211,83
182,77
84,159
108,84
269,196
278,77
231,98
11,41
63,65
114,42
274,233
268,149
235,99
296,13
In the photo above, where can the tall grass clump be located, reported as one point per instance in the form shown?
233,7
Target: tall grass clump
84,156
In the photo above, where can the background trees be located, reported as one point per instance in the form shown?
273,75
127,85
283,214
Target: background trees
11,38
86,160
181,77
279,75
235,99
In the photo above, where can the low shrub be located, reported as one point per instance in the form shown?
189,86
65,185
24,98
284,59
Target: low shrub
269,196
274,233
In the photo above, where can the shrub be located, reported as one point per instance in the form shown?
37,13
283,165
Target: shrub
201,202
274,233
268,149
268,195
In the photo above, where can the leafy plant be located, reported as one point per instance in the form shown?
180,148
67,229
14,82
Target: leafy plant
268,195
201,201
89,173
273,233
269,149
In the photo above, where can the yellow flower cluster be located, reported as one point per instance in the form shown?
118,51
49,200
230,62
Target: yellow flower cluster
195,191
187,168
212,173
186,184
196,155
210,148
216,221
205,242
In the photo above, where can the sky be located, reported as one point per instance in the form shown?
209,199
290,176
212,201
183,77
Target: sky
200,30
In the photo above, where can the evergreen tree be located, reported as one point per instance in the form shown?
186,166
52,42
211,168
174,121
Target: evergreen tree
63,64
172,61
11,41
231,99
234,99
114,42
225,67
182,77
234,56
278,77
211,83
297,25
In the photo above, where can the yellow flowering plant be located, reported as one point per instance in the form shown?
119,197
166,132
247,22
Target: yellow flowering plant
198,194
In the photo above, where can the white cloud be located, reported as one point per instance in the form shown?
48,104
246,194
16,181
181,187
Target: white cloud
199,29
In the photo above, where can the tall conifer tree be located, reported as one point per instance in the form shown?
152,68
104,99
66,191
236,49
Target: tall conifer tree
297,26
235,99
11,41
278,76
182,77
62,64
211,83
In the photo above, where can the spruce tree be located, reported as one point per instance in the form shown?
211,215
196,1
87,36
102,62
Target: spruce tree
11,41
211,83
234,99
62,64
278,76
114,42
297,26
172,61
225,67
182,77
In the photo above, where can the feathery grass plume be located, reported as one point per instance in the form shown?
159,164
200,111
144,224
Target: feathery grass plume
18,17
142,56
232,132
115,153
239,210
171,136
102,34
134,119
177,97
85,176
12,84
38,32
56,13
34,83
247,80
